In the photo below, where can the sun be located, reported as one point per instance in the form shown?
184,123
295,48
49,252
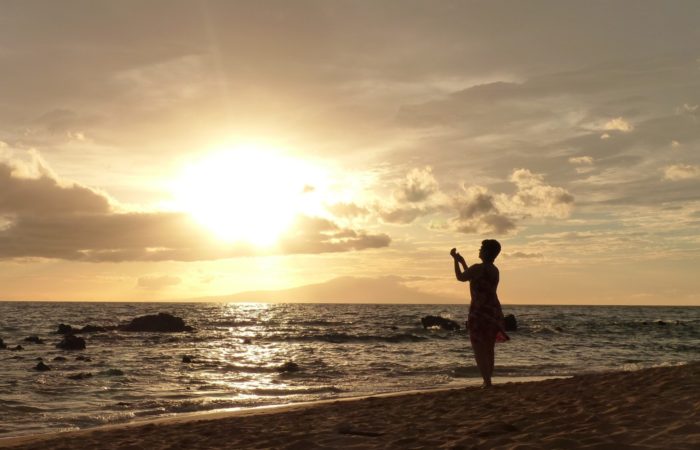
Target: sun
247,193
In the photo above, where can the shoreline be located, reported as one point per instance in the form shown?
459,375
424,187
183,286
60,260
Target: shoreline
264,409
644,407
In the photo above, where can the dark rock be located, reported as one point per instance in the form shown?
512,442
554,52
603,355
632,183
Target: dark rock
65,329
94,329
660,322
558,329
437,321
162,322
34,339
187,359
60,358
83,358
247,341
289,366
42,367
17,348
511,322
2,344
72,342
80,376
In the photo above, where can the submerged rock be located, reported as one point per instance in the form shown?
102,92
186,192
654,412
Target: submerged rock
17,348
41,367
289,366
72,342
80,376
94,329
2,344
187,358
65,329
438,321
162,323
60,358
34,339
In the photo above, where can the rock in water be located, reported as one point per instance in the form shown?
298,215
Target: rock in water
2,344
65,329
41,367
162,322
34,339
511,322
72,342
289,366
93,329
437,321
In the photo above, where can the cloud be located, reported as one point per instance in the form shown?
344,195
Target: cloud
347,210
618,124
156,282
475,201
418,186
31,189
536,198
524,255
481,211
417,195
678,172
318,235
403,215
477,213
581,160
42,216
687,109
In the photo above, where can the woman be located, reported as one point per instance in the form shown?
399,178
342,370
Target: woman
486,326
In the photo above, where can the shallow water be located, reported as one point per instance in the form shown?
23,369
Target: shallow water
239,352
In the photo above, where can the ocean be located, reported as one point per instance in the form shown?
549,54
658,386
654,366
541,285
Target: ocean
246,355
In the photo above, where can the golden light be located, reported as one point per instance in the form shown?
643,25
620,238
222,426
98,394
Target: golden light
248,193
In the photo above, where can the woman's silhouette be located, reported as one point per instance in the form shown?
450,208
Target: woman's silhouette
485,322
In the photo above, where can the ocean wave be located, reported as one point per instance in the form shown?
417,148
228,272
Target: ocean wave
342,338
295,391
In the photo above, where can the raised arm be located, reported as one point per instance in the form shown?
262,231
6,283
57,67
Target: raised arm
460,272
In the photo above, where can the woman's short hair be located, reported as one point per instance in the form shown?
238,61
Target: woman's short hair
491,249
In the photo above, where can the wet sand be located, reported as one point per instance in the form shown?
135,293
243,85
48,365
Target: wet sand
653,408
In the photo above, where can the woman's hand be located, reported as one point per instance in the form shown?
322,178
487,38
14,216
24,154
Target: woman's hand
456,255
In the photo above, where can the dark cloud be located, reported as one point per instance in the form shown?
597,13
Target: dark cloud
44,195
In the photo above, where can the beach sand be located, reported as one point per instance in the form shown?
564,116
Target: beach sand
652,408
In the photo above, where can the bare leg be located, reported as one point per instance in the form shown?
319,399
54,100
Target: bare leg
491,357
483,360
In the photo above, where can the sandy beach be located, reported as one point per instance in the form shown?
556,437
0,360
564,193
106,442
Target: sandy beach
651,408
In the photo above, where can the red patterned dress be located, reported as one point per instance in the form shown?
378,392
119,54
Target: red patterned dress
485,315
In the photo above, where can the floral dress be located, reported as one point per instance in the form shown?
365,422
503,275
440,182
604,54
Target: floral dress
485,322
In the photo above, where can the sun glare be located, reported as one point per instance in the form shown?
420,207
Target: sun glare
246,193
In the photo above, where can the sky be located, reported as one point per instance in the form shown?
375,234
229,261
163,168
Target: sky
169,150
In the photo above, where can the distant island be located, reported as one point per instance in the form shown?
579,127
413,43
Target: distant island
389,289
